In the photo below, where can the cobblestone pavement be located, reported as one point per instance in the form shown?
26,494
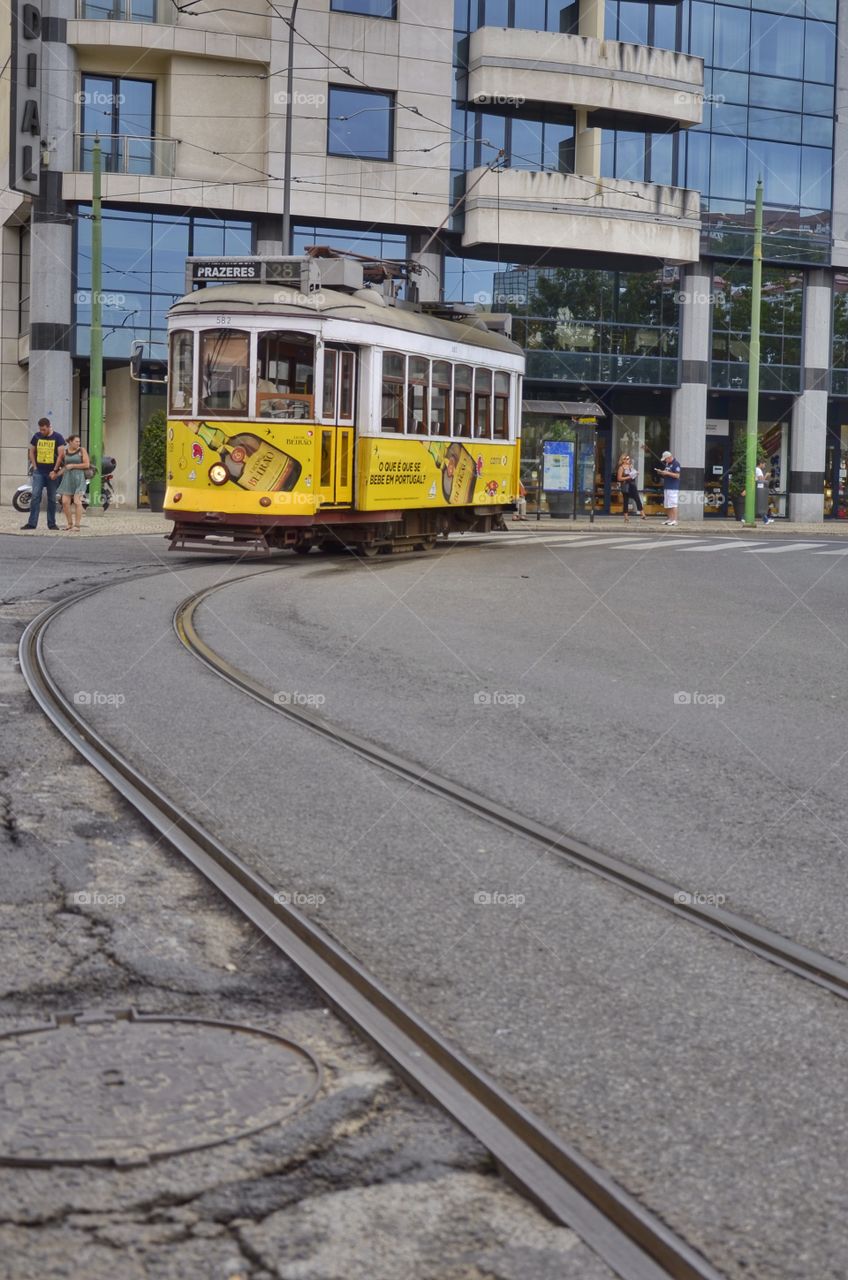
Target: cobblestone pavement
367,1182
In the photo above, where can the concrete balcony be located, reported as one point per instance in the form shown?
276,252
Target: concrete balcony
624,83
578,214
150,29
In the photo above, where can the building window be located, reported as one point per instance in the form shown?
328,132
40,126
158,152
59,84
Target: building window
782,324
120,112
144,271
360,124
370,8
125,10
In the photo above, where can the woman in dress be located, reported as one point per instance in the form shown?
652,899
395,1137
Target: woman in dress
626,475
72,484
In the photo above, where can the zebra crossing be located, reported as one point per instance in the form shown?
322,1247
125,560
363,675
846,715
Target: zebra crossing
758,545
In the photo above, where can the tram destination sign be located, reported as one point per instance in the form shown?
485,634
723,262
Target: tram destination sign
294,272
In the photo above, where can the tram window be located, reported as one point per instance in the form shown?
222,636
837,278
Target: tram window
182,371
417,396
462,400
339,367
224,372
501,406
330,361
441,398
346,389
483,404
285,372
394,378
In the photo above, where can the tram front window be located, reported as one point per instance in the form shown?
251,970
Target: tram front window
182,371
285,372
224,372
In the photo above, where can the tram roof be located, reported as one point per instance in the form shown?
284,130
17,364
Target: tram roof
274,300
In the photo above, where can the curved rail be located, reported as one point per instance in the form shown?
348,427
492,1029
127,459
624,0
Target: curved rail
632,1241
766,943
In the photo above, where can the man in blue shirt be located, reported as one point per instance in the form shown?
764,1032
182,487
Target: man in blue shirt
46,451
670,472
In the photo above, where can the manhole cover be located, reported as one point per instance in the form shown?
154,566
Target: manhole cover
126,1088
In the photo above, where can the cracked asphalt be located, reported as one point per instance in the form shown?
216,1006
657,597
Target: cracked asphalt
367,1182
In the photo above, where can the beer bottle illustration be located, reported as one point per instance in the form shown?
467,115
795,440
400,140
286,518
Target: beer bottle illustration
250,462
459,471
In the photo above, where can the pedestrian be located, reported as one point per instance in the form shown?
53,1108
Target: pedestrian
521,503
46,450
72,480
627,475
762,495
670,472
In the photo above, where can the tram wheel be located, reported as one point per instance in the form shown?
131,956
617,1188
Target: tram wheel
302,548
368,550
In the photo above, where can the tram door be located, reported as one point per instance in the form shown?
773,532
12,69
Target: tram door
336,480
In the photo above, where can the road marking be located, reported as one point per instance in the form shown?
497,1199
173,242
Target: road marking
843,551
643,544
728,545
777,551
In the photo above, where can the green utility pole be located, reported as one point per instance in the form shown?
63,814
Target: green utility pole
287,182
754,365
95,389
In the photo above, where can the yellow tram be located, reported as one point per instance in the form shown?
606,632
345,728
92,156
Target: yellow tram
302,414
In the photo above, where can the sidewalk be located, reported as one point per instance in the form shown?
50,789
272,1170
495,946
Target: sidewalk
115,521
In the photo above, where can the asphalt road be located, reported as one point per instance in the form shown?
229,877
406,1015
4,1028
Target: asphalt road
98,917
701,1078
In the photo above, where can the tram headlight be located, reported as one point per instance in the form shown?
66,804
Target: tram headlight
218,474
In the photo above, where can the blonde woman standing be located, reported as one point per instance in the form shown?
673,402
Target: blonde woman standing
72,483
626,475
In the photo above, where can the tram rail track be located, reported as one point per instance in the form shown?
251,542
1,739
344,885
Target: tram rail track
633,1242
767,944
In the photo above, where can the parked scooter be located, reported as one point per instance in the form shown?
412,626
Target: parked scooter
22,497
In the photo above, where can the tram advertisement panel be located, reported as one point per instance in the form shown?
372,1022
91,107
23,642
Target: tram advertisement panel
237,459
433,473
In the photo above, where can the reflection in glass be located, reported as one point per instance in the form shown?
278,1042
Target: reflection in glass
360,123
